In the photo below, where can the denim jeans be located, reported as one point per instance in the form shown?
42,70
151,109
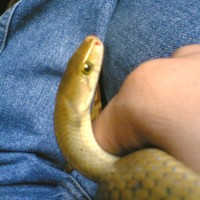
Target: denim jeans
37,37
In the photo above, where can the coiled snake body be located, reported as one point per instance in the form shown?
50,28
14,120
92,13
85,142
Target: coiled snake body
146,174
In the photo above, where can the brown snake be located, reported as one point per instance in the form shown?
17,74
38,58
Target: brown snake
148,174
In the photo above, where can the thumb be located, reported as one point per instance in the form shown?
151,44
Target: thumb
113,130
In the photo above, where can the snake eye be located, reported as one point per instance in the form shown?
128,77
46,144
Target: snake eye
87,68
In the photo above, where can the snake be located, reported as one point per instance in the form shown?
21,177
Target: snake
146,174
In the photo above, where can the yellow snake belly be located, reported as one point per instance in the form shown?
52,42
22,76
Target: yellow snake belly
148,174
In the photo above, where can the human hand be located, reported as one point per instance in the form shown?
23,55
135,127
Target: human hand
158,105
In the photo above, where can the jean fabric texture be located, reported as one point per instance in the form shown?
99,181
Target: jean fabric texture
37,37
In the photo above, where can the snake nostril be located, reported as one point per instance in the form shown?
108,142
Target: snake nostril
97,43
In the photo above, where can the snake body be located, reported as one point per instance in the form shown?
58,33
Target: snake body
146,174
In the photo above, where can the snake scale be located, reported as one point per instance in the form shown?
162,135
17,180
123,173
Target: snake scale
145,174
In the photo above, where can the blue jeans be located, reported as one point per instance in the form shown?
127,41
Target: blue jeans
37,37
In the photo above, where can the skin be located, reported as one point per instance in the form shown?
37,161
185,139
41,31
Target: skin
158,105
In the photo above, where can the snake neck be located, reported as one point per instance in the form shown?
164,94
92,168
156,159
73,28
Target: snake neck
89,157
78,144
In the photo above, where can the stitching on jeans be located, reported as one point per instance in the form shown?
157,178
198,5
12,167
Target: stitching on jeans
102,7
7,26
78,187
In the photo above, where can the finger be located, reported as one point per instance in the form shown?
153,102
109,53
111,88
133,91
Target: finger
110,129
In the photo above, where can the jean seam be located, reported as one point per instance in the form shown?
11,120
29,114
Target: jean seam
78,187
101,4
7,24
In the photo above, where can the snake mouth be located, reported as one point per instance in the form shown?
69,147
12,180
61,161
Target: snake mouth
91,38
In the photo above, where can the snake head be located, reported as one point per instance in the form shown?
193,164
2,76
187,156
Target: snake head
81,76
